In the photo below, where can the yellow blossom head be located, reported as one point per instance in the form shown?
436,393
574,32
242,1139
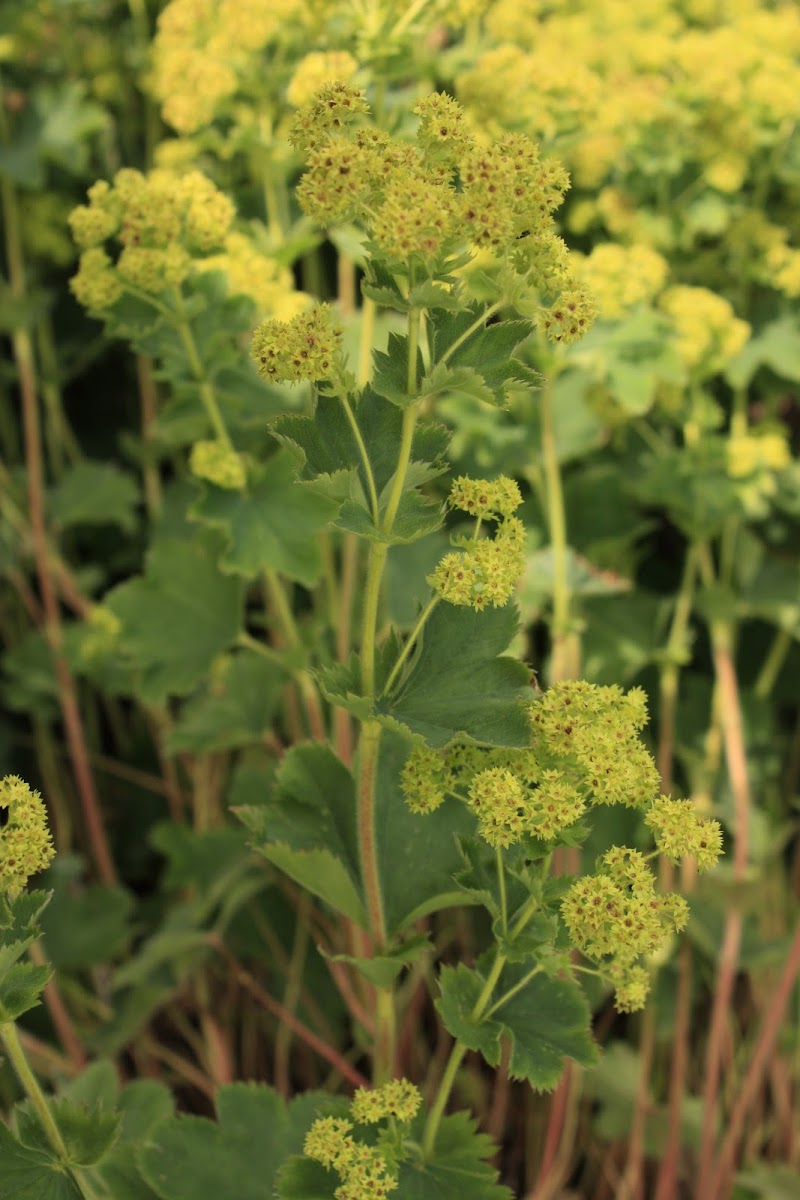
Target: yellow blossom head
25,843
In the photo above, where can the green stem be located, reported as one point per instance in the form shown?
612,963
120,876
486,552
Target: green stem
772,664
30,1084
362,449
513,991
207,394
566,650
501,883
476,324
456,1054
410,643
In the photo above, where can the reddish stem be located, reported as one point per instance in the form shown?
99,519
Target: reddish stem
756,1070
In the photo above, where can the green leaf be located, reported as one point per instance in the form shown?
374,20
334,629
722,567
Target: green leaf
460,382
457,1169
236,708
416,518
177,617
488,349
328,446
87,1133
190,1158
546,1021
30,1175
382,969
94,493
776,346
390,376
693,485
20,983
271,526
88,925
307,828
417,854
142,1105
459,684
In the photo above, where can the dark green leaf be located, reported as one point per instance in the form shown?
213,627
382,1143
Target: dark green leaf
30,1175
87,1133
457,1169
390,378
546,1021
237,1159
307,828
94,493
177,617
236,709
271,526
462,684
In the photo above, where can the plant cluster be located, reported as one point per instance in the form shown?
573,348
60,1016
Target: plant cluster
444,338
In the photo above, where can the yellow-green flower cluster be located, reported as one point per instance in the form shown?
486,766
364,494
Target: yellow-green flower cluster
569,318
204,50
219,464
750,453
162,220
617,913
364,1170
257,275
25,843
398,1098
640,98
306,348
425,780
486,570
679,832
621,277
708,332
597,727
432,204
315,70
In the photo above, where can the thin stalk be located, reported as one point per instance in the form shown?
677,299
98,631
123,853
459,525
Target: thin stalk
667,1186
67,693
565,662
205,386
468,332
454,1062
362,449
410,643
291,635
364,370
292,991
670,671
30,1085
773,663
736,760
329,1053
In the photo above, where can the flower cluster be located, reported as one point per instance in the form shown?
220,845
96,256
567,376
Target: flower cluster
398,1098
219,464
585,750
708,333
252,273
679,832
306,348
428,204
25,843
597,728
366,1171
617,913
204,49
620,277
362,1168
486,570
163,222
315,70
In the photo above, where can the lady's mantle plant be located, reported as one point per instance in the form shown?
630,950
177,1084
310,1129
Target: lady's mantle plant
464,782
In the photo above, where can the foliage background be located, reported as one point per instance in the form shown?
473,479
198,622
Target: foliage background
663,499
